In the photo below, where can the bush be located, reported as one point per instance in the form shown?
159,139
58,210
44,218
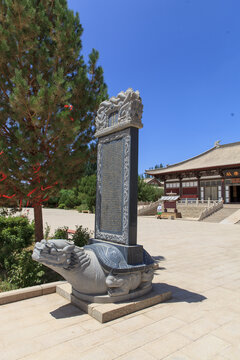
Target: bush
62,206
16,233
24,271
47,230
82,207
81,236
5,211
52,202
87,191
61,233
68,198
6,286
148,192
16,264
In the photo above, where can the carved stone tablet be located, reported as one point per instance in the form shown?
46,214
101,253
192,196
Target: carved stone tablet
117,123
112,203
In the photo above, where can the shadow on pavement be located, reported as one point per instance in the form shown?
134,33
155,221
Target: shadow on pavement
179,294
158,258
66,311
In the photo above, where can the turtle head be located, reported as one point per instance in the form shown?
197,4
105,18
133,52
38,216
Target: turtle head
55,253
60,254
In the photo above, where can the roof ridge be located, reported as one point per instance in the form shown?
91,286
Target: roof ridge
229,144
182,162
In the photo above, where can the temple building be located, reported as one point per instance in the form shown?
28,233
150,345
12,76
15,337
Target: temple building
214,175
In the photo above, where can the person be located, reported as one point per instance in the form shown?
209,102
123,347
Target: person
159,209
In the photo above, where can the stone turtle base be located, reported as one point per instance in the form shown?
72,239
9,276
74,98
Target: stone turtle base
106,299
107,312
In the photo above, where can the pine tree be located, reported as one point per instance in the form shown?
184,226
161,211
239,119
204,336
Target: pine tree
48,101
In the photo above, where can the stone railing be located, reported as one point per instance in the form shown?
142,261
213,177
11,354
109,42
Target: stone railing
142,205
197,202
148,209
210,210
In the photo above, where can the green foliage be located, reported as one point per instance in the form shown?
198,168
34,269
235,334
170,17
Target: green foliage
16,233
91,168
42,69
47,231
81,236
5,211
17,269
6,286
24,271
52,202
61,233
62,206
82,207
87,191
147,192
81,197
68,198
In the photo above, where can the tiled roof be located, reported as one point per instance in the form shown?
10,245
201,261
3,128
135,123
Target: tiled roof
219,155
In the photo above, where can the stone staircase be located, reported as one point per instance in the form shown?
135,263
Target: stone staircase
148,210
220,215
190,211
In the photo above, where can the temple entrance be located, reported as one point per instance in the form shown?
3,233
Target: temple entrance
235,194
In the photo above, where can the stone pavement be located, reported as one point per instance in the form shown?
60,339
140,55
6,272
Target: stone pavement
199,262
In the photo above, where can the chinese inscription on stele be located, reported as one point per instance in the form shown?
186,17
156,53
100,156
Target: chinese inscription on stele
112,187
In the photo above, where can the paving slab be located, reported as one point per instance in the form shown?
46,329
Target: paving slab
199,263
232,219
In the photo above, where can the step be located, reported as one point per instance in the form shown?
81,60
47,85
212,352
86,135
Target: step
220,215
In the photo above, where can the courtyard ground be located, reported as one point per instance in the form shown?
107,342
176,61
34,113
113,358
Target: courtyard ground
199,263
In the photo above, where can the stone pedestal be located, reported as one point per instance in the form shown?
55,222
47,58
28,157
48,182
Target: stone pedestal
110,311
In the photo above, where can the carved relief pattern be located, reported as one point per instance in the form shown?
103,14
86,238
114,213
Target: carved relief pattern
118,238
129,107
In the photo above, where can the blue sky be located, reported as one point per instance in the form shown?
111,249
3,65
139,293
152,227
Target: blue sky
184,58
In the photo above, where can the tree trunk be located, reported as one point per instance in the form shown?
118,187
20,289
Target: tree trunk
38,222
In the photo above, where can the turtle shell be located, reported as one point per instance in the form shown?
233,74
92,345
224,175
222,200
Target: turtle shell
112,260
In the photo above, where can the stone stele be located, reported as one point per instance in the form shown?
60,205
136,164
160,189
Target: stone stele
112,267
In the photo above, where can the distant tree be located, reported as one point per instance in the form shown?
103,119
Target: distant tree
48,100
147,176
152,168
91,165
158,166
87,191
68,198
147,192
